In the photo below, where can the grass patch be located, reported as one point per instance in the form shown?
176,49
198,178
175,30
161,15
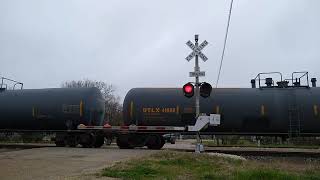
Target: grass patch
181,165
133,172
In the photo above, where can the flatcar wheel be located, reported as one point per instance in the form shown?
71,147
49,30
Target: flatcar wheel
155,142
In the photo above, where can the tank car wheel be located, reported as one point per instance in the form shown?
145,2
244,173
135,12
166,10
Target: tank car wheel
59,140
108,141
99,141
72,141
172,140
60,144
123,143
155,142
84,145
87,140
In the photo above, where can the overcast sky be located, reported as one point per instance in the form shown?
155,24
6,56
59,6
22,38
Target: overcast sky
141,43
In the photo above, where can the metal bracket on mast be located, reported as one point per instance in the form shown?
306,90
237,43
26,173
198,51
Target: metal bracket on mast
202,122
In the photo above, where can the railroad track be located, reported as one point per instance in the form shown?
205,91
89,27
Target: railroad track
273,153
241,151
247,151
24,145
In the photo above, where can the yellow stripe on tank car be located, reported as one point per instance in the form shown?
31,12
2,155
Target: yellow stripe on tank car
315,110
33,112
262,109
217,109
131,110
81,108
177,109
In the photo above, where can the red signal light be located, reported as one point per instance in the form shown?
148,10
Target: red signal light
188,90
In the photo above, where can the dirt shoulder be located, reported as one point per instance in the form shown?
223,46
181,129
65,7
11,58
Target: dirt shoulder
62,163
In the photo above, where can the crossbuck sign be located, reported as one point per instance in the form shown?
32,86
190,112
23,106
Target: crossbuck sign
197,50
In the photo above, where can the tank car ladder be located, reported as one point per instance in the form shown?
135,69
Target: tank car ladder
294,115
294,122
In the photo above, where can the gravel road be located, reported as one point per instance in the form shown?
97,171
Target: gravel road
62,163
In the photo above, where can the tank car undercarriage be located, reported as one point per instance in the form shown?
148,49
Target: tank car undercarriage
129,141
95,139
85,139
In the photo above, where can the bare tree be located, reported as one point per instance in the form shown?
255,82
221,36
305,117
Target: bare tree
114,111
107,90
113,107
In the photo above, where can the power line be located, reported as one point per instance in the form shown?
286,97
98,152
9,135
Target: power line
225,42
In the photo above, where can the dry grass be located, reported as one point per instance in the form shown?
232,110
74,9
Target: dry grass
180,165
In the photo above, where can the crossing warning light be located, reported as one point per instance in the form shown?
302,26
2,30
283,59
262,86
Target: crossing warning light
205,89
188,90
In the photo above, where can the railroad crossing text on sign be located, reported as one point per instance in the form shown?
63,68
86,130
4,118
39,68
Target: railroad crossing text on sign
197,50
197,73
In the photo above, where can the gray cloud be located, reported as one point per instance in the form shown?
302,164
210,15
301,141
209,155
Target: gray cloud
142,43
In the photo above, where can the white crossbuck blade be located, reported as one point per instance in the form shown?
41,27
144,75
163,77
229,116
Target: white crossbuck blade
197,50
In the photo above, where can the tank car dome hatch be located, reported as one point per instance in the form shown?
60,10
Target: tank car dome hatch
253,83
269,82
283,84
314,82
298,80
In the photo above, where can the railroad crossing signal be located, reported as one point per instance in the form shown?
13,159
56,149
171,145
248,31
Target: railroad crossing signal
205,90
199,89
197,50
